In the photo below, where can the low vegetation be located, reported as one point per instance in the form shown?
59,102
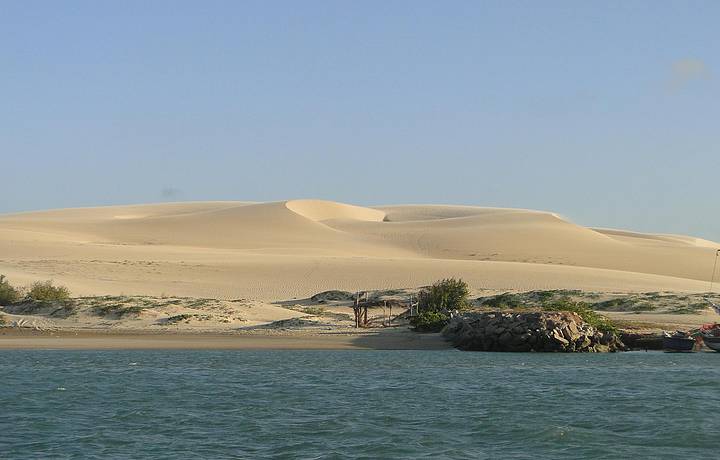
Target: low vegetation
179,318
430,321
186,317
692,308
8,293
333,295
46,291
436,302
636,303
316,311
118,310
628,304
503,301
39,291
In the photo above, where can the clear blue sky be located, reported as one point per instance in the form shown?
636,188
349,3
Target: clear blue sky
607,112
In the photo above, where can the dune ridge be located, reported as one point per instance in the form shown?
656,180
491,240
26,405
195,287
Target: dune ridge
320,210
286,249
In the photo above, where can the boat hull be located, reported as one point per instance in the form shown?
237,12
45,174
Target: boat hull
678,344
712,343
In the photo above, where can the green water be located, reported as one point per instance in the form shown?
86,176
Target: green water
357,404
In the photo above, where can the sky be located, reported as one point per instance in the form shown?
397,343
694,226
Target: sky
605,112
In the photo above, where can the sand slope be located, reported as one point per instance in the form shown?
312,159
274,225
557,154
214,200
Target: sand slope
281,250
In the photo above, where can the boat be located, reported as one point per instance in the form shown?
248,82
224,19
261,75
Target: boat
710,334
678,343
712,342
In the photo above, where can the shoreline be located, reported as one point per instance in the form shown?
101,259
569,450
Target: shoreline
24,339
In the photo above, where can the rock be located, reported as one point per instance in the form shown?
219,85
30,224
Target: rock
505,339
558,336
532,331
642,341
582,342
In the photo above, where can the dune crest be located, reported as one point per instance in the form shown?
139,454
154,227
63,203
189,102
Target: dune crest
320,210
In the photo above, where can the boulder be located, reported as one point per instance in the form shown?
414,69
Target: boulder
531,331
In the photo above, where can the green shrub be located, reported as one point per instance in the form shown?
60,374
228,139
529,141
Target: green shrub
8,294
430,321
436,302
315,311
45,291
595,320
444,296
3,320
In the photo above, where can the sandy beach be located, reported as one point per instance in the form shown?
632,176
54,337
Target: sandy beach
15,338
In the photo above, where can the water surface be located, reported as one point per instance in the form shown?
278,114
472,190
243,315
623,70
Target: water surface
357,404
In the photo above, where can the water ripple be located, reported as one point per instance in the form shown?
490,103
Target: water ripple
356,404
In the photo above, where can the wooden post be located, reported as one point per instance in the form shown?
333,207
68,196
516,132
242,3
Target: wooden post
356,310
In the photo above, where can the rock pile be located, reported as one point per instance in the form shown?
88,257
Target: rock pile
532,331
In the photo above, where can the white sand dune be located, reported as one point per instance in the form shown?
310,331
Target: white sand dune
281,250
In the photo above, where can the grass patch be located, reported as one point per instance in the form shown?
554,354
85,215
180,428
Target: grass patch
186,317
316,311
624,304
544,296
179,318
610,305
690,309
196,303
172,302
594,319
642,306
503,301
118,310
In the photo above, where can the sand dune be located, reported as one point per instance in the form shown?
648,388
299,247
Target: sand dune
329,210
281,250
